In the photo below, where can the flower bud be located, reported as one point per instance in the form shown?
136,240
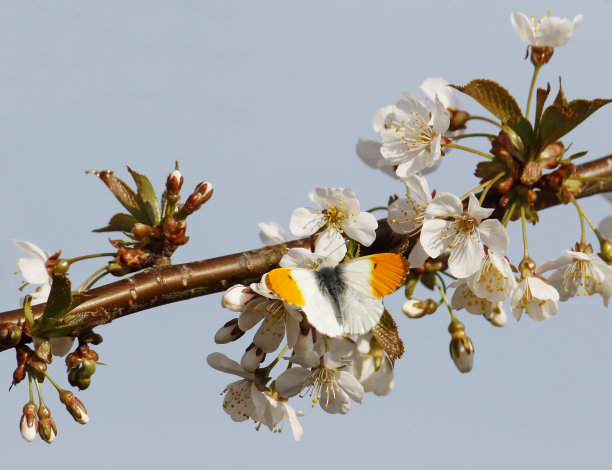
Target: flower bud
236,297
228,332
532,172
458,118
29,422
414,308
74,406
606,251
173,185
10,334
461,347
140,231
551,155
205,189
497,316
46,425
252,357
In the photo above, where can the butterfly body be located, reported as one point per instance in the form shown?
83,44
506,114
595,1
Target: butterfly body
342,299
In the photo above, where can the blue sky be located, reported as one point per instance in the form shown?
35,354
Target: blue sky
266,100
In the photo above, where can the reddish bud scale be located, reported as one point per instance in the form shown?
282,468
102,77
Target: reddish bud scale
10,334
174,184
531,173
540,55
458,118
46,425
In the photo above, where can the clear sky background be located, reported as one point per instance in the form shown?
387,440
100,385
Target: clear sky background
266,100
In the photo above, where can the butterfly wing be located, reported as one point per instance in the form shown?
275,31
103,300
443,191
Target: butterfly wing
300,287
368,279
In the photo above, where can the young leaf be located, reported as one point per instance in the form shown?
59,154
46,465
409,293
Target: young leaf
119,223
387,336
147,200
494,97
124,194
542,95
58,304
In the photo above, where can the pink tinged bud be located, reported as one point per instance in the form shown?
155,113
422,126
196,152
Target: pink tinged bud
532,172
205,189
252,357
236,297
174,183
140,231
74,406
29,422
414,308
228,332
46,425
551,155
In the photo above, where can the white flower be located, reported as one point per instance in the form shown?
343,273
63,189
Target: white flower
549,31
578,272
340,214
369,150
605,227
413,134
447,227
494,280
536,297
270,410
464,297
271,233
437,86
324,378
34,270
376,371
406,215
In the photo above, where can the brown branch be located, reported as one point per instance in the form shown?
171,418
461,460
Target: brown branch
166,284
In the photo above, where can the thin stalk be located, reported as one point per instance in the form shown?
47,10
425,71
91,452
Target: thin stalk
482,118
96,255
82,287
508,214
525,248
583,214
475,134
536,70
378,208
486,189
468,149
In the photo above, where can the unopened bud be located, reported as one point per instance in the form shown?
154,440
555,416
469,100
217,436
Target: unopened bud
606,251
74,406
532,172
61,266
527,267
551,155
414,308
29,422
228,332
10,334
205,189
236,297
458,118
46,425
252,357
140,231
461,347
174,183
497,316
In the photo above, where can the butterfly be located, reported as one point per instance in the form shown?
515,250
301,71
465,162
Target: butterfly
341,299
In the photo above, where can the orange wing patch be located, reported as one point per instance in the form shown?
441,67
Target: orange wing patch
388,273
281,282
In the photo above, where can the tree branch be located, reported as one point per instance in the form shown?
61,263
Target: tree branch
166,284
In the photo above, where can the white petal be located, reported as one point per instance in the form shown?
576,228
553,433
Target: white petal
418,184
437,86
444,205
330,247
433,244
362,228
61,346
378,123
465,260
271,233
336,402
494,235
522,28
417,256
350,385
223,363
299,258
291,381
305,221
33,270
476,210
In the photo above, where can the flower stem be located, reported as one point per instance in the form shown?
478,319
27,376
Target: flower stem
468,149
40,398
489,186
378,208
536,70
97,275
482,118
445,299
525,249
475,134
96,255
508,214
30,384
585,217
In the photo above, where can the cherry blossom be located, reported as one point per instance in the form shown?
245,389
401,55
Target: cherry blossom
447,227
548,31
536,297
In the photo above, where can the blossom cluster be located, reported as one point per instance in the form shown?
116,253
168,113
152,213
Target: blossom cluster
332,370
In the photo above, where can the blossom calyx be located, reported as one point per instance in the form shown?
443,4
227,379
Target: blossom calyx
74,406
461,347
29,421
46,425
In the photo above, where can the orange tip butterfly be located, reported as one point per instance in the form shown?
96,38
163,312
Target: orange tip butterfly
341,299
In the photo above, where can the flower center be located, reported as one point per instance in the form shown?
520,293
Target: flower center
461,229
415,134
320,381
412,217
580,275
336,217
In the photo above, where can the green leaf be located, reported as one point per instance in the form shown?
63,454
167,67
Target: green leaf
527,142
124,194
558,120
494,97
542,95
119,223
58,304
146,197
387,335
577,155
562,117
